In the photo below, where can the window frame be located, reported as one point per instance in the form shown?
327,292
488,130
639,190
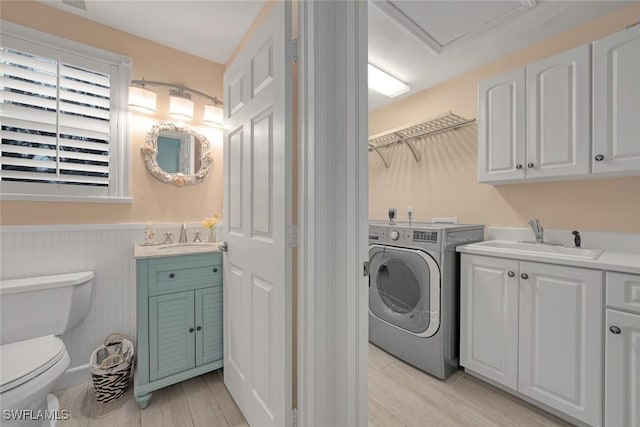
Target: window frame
79,54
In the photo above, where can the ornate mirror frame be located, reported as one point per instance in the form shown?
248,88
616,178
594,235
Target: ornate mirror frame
150,152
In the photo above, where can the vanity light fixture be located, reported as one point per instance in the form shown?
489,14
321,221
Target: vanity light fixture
384,83
213,114
180,104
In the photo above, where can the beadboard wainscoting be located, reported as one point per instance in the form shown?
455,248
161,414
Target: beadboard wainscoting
105,249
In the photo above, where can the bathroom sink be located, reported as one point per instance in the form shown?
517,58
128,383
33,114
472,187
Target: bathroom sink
541,249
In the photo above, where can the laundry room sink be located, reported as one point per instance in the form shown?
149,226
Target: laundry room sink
533,248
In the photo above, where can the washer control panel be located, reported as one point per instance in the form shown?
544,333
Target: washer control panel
395,235
425,236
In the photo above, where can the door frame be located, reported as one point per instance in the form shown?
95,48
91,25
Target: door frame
332,318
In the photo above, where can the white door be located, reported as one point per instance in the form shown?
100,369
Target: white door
616,109
622,375
257,214
559,115
501,128
560,341
489,318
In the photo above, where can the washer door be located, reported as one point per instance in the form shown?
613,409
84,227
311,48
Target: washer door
404,289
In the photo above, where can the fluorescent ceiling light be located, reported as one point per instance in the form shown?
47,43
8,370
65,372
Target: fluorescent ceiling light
385,84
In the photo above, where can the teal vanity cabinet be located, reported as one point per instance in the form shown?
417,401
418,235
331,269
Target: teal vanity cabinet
179,302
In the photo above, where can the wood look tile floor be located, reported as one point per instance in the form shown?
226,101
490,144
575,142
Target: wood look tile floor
399,396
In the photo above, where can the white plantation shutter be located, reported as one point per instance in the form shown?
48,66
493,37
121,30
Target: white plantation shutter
61,114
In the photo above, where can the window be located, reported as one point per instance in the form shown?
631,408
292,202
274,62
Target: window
64,119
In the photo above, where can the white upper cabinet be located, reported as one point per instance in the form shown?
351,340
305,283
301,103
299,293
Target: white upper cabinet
501,130
558,115
616,103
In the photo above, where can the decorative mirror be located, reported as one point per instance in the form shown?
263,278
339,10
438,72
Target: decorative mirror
177,154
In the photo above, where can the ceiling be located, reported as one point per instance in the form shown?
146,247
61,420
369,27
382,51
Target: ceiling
422,43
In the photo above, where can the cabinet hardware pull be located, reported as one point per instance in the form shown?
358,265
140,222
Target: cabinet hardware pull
198,328
511,274
215,270
530,165
525,276
518,166
615,330
172,275
599,157
191,330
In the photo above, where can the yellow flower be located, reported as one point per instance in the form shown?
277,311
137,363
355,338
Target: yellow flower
210,222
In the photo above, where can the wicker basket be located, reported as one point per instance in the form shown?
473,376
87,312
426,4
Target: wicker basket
111,366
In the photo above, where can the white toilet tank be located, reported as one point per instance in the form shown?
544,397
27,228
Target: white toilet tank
46,305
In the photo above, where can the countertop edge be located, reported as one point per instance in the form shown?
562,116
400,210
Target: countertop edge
146,252
615,261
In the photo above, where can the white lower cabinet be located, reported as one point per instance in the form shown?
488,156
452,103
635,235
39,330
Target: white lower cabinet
622,377
535,328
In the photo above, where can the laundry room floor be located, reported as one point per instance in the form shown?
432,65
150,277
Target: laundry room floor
400,395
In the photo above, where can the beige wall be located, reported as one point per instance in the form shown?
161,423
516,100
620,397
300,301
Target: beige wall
445,183
152,199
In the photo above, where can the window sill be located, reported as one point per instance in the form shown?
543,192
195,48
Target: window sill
65,199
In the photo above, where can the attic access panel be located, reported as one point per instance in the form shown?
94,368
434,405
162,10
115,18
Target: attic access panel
440,24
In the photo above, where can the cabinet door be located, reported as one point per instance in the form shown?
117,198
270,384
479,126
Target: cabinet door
616,105
208,325
171,334
501,128
489,318
560,340
622,374
558,115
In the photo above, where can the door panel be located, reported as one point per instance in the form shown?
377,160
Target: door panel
560,338
489,318
257,212
171,344
616,112
558,115
501,127
622,376
209,319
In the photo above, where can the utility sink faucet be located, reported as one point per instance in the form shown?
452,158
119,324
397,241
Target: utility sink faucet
538,231
183,234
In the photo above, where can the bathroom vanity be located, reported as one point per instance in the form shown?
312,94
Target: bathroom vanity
179,315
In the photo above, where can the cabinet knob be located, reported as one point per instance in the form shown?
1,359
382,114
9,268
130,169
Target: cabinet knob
599,157
172,275
518,166
215,270
191,330
198,328
525,276
530,165
511,274
615,330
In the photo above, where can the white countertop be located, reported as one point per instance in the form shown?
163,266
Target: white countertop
623,262
173,249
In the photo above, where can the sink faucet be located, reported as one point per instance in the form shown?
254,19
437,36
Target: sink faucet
538,231
183,234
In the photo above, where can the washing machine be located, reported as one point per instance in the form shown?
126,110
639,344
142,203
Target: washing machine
414,291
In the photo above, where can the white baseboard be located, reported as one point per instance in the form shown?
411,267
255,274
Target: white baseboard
74,376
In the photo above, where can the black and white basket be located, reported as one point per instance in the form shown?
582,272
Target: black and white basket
111,366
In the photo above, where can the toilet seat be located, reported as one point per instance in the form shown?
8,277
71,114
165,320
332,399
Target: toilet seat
24,360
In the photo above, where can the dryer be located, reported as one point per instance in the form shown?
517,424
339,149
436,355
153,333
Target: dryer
414,291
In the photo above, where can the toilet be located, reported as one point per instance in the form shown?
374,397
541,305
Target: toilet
33,312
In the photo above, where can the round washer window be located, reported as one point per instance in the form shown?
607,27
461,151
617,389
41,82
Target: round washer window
398,286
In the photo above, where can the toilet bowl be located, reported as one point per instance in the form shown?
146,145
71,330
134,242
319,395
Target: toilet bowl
32,312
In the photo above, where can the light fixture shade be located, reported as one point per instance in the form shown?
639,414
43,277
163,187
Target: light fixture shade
213,114
142,99
385,84
180,107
